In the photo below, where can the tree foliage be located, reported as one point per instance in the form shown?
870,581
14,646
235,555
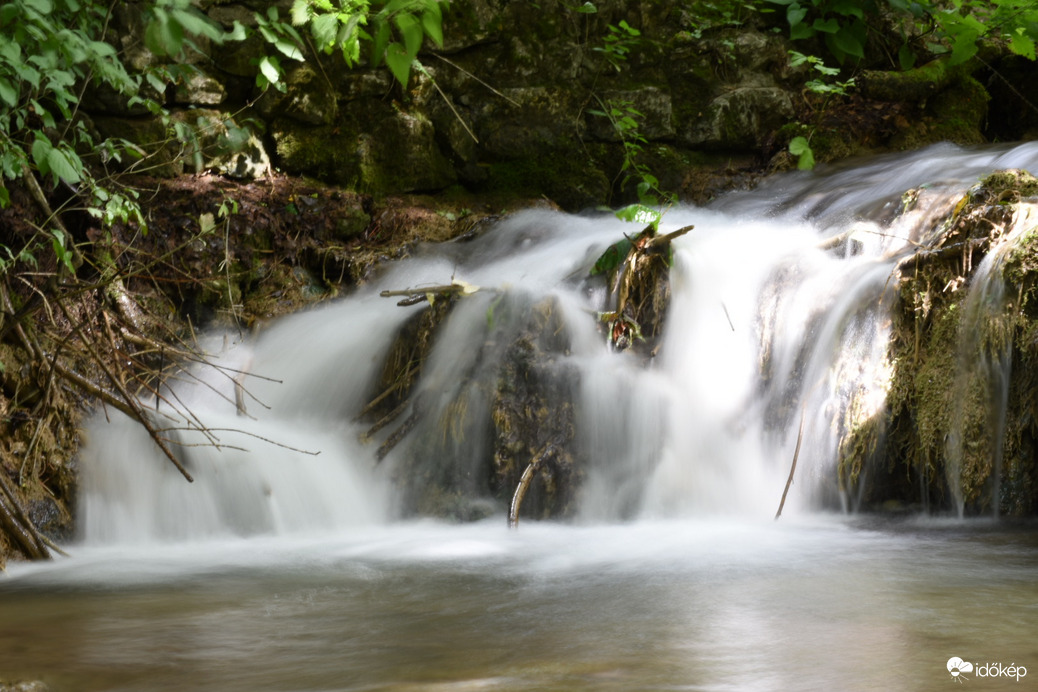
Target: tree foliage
51,51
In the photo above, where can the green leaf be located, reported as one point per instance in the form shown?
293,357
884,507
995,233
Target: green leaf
801,148
612,258
848,8
41,6
237,33
102,49
270,68
300,12
40,148
289,49
432,24
1022,44
827,26
795,14
800,32
380,42
195,24
905,57
62,165
964,47
5,197
411,29
162,36
638,213
63,254
324,28
399,62
846,41
8,93
11,52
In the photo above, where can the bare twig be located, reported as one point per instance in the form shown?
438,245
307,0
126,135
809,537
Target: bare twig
793,466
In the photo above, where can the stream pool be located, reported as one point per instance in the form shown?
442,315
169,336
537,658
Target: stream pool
811,602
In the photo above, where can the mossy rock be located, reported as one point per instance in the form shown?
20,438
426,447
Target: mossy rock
955,429
394,152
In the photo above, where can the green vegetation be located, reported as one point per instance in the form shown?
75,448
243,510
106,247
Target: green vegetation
827,87
51,51
951,32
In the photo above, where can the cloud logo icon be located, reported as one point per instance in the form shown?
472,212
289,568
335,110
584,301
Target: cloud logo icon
956,666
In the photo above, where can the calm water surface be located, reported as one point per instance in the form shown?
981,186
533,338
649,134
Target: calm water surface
818,603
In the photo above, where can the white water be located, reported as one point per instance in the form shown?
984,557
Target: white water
764,328
283,570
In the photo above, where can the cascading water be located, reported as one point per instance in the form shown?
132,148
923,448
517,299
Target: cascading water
777,330
294,561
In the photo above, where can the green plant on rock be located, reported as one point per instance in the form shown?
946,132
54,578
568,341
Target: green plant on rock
825,86
621,39
623,118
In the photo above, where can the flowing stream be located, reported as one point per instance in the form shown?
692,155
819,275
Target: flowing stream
290,563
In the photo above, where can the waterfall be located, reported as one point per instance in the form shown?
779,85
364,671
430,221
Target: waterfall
777,330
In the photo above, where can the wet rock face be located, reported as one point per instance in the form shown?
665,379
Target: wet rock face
533,417
460,440
959,432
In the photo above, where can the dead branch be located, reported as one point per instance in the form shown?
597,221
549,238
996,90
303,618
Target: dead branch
129,404
418,295
41,201
524,483
953,251
400,433
793,466
401,381
220,445
18,525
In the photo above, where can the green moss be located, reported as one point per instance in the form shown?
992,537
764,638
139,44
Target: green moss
1010,185
956,114
944,434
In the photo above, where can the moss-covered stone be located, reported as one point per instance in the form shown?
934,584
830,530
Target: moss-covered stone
955,114
960,424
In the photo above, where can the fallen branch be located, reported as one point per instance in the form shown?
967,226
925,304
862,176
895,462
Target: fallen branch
418,295
793,466
524,483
